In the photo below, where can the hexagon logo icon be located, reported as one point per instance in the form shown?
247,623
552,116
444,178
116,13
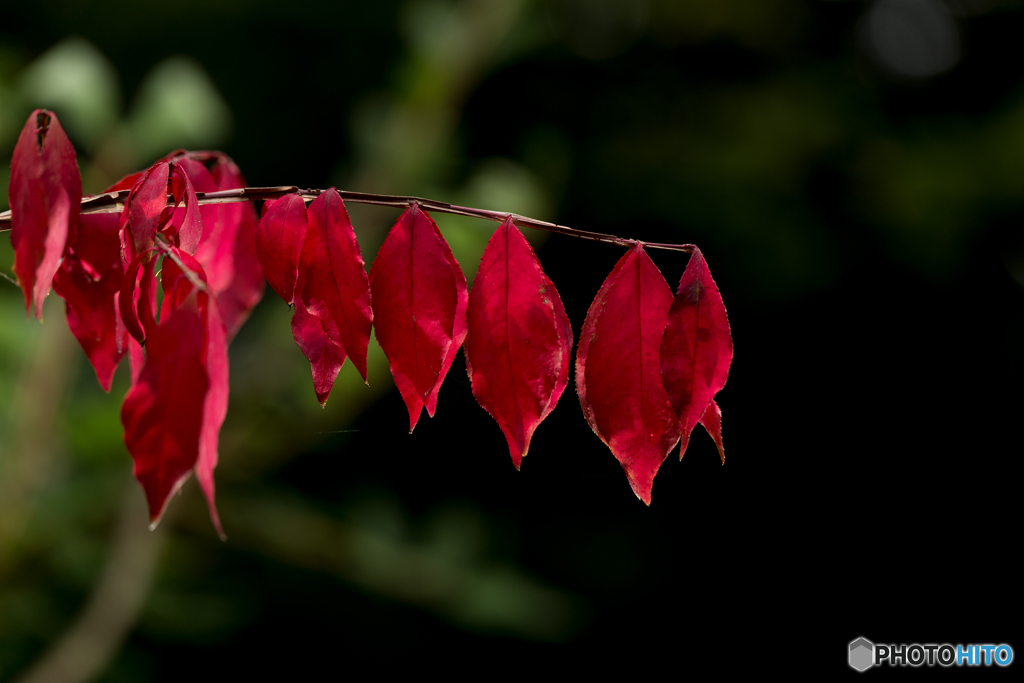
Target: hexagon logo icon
862,654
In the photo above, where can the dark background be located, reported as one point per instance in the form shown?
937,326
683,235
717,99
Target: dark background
852,171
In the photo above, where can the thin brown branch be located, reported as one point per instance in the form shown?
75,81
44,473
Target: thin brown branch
113,202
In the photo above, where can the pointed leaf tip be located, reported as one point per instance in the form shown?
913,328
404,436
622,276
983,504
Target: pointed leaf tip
618,373
712,421
317,339
519,339
413,403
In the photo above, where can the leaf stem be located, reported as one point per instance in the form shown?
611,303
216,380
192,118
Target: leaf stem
113,202
165,249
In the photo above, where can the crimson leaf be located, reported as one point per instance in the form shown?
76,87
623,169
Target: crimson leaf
45,194
420,295
696,350
519,341
618,372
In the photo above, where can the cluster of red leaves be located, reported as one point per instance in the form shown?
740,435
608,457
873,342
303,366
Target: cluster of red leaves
648,365
105,268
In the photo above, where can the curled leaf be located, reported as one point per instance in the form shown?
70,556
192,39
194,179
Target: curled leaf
145,211
137,297
45,193
187,231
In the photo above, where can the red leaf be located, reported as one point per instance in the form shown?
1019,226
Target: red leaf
128,299
184,298
45,194
178,283
279,237
179,287
240,287
316,338
215,405
712,421
517,352
420,296
696,350
413,402
163,412
227,250
618,373
137,298
136,358
459,330
145,211
88,281
332,282
189,229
